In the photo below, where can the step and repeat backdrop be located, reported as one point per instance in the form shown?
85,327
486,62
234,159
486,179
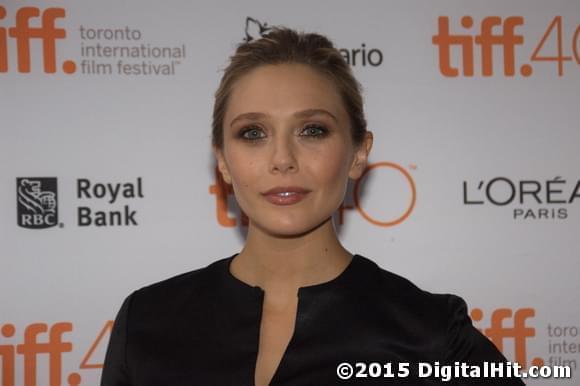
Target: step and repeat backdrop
107,181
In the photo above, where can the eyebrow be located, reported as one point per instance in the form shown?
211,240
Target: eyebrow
300,114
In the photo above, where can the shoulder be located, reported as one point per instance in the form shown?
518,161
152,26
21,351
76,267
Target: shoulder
407,294
416,313
440,318
179,290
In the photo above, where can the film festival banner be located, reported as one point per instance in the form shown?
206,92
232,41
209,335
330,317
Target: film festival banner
108,182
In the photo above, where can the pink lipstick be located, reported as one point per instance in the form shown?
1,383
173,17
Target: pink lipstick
285,195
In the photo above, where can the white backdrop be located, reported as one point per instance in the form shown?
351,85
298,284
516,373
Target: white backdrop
123,98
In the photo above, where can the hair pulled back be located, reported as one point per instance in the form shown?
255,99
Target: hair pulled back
283,45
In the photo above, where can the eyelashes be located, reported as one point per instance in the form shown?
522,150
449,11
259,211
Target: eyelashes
251,133
255,133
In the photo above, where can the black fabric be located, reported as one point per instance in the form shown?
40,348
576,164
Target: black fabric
201,328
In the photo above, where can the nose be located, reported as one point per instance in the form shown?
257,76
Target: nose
283,158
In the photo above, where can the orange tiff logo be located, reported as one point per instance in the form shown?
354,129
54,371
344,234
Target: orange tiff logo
507,39
41,341
497,33
518,332
54,347
23,33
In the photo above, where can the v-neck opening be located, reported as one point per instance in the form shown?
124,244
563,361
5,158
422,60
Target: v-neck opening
302,291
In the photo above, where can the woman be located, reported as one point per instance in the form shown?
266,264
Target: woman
288,133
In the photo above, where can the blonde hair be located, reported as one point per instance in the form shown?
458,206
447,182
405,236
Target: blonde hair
283,45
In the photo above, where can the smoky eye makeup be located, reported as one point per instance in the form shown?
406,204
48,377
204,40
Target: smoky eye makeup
314,130
308,131
250,133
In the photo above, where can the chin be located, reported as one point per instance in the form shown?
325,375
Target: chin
291,229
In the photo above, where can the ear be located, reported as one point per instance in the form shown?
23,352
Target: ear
361,156
222,166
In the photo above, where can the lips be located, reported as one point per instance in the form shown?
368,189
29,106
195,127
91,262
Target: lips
286,189
285,195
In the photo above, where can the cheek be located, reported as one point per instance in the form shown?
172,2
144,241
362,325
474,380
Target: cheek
242,167
332,167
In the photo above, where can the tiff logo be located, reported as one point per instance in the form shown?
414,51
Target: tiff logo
23,33
30,349
498,332
37,202
487,39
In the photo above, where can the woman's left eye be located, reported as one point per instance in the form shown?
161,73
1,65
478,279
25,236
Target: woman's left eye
314,131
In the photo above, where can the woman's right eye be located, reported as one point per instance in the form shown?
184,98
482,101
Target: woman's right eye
252,133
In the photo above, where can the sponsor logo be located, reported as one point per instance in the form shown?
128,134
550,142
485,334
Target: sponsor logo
255,29
528,199
110,192
359,56
104,204
37,202
496,33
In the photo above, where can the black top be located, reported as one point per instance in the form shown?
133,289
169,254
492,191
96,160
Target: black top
201,328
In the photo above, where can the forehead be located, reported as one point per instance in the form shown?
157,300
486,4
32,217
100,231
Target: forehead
283,89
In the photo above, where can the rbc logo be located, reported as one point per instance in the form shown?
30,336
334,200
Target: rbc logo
37,202
22,32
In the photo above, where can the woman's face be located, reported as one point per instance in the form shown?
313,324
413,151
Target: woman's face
285,126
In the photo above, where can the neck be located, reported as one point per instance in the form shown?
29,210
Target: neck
281,265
